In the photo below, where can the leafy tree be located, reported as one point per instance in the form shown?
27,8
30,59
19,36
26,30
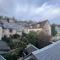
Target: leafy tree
39,40
15,36
43,39
53,30
10,56
32,38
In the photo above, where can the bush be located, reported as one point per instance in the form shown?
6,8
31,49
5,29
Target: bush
15,36
32,38
10,57
6,39
53,30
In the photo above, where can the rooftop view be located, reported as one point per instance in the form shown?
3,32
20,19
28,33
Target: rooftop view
29,30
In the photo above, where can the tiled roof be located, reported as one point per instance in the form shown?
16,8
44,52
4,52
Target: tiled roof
51,52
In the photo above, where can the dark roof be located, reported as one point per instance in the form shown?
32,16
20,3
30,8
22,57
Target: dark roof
30,48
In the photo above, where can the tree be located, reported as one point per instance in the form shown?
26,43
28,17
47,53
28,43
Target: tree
39,40
32,38
15,36
53,30
10,56
43,39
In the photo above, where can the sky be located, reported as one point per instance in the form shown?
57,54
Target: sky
36,10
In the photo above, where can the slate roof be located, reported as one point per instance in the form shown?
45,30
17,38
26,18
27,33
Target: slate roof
13,26
51,52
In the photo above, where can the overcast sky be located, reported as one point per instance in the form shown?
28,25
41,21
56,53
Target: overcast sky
32,9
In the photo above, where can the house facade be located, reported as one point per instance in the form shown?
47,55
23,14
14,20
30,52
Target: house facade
11,29
38,27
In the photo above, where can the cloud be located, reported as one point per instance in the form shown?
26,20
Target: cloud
45,11
31,9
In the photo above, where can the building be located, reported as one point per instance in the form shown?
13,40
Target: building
44,25
50,52
11,29
35,30
8,29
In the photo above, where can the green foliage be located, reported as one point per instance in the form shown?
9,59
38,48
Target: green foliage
43,39
10,57
53,30
39,40
16,47
32,38
17,52
15,36
9,41
6,39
